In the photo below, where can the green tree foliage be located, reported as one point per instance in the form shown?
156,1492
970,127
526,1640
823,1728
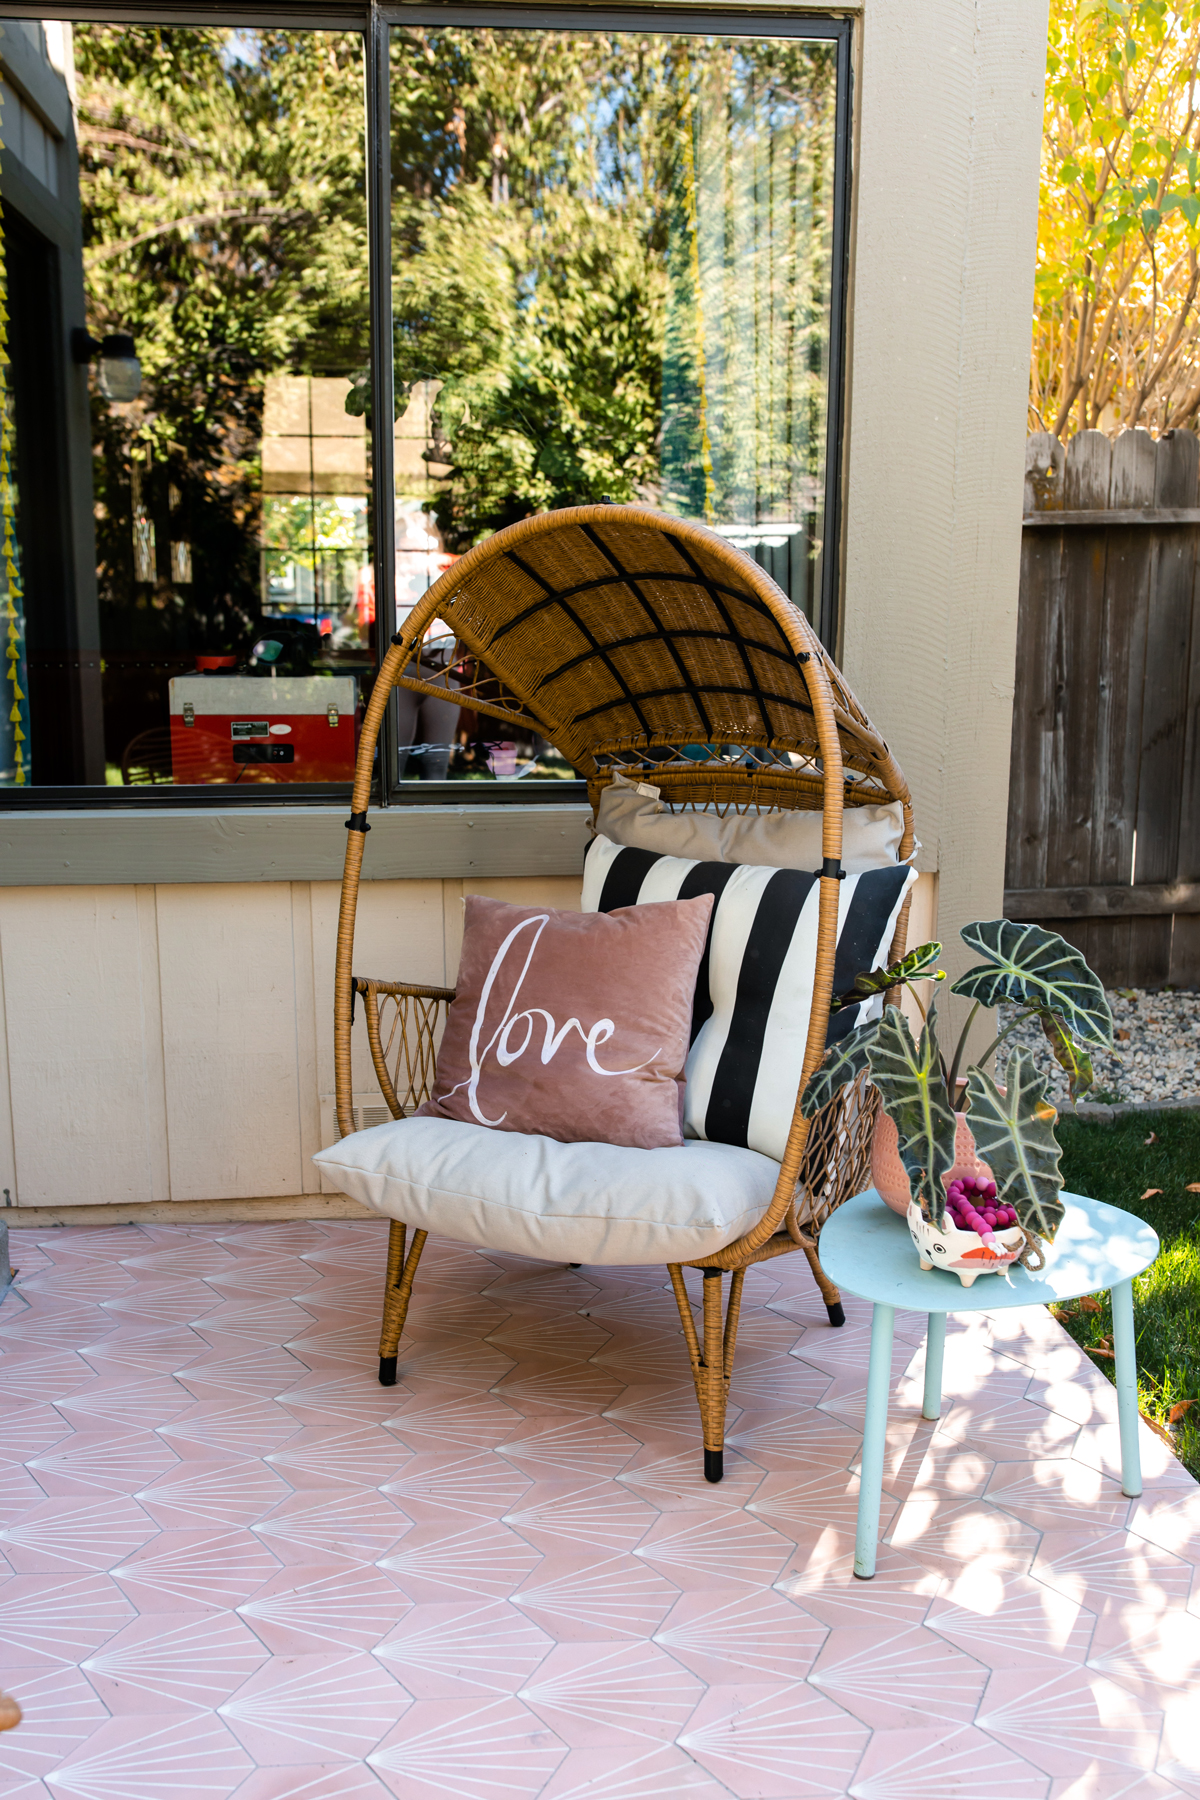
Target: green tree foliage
609,251
222,185
527,175
1118,281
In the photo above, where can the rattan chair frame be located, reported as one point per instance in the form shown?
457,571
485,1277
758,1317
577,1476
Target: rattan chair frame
623,636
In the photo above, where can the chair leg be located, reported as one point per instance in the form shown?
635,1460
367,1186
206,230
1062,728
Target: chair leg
829,1294
712,1363
712,1387
401,1271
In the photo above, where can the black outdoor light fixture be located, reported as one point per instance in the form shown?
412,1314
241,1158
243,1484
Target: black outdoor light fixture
119,372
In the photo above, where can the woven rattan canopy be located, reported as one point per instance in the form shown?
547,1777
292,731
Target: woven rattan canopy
613,630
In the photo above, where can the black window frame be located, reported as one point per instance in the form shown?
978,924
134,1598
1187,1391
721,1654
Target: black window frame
375,24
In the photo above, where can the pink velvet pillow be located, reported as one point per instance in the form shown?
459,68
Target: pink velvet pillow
573,1025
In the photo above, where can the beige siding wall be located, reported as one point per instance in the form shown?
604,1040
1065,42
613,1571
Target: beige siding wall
176,1042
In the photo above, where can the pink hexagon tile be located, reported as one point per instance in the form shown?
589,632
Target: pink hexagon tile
141,1757
166,1662
779,1743
932,1764
1006,1620
898,1683
337,1705
1060,1718
494,1749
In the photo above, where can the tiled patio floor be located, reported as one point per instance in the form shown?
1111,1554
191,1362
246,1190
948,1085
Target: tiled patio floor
231,1565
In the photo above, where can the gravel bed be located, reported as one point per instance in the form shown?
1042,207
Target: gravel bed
1156,1055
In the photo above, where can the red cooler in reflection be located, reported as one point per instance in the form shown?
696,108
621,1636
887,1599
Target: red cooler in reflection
242,728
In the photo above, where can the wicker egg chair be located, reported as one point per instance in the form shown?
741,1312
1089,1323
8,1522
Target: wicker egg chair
625,636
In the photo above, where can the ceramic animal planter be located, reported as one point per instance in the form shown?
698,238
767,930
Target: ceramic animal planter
964,1253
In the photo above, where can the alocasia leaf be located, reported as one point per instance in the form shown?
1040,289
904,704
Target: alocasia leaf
910,1079
844,1061
916,966
1034,967
1014,1134
1068,1054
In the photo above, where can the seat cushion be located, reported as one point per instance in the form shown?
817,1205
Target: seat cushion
534,1196
634,814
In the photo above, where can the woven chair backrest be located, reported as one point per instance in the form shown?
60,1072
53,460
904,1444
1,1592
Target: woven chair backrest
628,638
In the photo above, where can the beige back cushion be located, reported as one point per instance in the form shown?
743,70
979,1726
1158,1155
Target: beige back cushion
634,816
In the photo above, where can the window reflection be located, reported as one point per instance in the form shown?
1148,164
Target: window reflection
612,258
209,614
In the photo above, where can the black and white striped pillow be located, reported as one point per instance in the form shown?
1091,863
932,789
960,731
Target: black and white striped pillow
755,982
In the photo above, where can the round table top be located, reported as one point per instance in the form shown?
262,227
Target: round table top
866,1249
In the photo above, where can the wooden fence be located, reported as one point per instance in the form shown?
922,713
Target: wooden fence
1104,802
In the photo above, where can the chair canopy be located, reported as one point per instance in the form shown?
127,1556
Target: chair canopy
620,634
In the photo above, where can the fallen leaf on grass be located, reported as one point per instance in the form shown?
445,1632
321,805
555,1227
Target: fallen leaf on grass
1062,1313
1178,1411
1152,1139
1159,1431
1150,1193
1193,1187
1087,1304
1098,1350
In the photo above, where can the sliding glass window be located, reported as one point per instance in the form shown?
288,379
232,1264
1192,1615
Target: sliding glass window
615,273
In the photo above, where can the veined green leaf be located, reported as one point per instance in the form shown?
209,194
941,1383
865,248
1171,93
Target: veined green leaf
1035,967
909,1077
1068,1054
1014,1134
917,965
844,1061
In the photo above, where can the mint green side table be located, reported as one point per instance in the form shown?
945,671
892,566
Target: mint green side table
866,1249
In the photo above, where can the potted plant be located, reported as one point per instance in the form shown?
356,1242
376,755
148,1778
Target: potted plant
973,1163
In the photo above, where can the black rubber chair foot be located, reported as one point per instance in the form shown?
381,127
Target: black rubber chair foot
714,1465
837,1313
387,1371
574,1265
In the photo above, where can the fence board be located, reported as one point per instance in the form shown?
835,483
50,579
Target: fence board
1185,940
1120,676
1076,669
1164,719
1106,730
1041,582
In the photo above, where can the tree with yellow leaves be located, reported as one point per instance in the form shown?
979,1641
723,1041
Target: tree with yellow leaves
1116,325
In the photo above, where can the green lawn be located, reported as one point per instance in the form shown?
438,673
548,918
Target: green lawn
1115,1163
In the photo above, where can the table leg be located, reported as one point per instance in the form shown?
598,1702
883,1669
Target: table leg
935,1347
870,1481
1125,1357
